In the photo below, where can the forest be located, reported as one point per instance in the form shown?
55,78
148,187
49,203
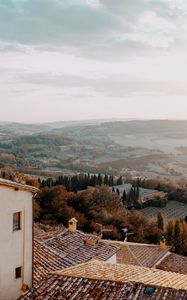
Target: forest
55,205
91,200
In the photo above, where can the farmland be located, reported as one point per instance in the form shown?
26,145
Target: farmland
140,148
173,210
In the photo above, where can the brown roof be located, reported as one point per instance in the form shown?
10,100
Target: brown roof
148,255
60,287
20,186
66,249
124,273
46,260
73,246
139,254
174,263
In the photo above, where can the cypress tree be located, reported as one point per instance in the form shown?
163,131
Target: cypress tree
106,179
124,198
99,179
169,232
111,180
160,221
119,181
117,191
177,238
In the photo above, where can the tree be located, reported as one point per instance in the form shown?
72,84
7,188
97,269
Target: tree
124,198
106,179
99,179
131,197
160,221
140,234
177,238
118,192
119,181
111,180
104,198
169,232
137,193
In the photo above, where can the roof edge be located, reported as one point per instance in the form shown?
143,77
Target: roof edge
13,184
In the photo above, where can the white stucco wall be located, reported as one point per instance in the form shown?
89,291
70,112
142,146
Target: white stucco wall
15,246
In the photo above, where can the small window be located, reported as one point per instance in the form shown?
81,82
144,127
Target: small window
18,272
149,290
16,221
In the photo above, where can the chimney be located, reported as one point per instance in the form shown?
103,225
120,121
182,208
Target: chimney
91,241
162,243
72,225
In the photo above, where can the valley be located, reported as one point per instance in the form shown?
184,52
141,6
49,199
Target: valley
138,148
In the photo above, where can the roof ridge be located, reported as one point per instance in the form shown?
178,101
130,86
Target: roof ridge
60,272
136,259
55,234
133,243
57,273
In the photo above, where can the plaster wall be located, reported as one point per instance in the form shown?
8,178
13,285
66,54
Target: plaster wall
15,246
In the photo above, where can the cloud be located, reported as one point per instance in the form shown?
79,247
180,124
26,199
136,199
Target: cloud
92,27
49,21
84,53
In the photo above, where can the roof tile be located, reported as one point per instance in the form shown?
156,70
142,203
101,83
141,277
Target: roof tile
60,287
125,273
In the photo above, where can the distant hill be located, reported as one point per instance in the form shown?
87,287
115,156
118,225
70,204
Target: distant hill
151,148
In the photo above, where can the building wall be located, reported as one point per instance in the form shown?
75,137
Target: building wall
15,246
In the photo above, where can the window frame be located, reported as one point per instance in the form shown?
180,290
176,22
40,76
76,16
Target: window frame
16,221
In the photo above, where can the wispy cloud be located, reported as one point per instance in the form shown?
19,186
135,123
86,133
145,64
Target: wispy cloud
91,51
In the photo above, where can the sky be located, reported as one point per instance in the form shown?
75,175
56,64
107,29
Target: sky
92,59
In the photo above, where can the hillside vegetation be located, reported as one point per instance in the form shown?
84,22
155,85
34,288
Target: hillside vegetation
149,148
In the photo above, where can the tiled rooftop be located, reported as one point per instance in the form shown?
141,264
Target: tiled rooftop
66,249
47,260
148,255
73,246
60,287
174,263
139,254
124,273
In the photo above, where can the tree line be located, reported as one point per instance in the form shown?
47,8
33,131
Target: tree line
175,232
82,181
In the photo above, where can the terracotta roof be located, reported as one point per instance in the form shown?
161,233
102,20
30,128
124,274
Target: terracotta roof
148,255
61,287
139,254
124,273
174,263
73,246
47,260
125,255
20,186
66,249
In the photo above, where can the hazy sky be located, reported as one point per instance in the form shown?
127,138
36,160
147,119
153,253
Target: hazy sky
82,59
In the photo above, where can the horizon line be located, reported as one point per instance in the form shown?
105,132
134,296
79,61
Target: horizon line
92,120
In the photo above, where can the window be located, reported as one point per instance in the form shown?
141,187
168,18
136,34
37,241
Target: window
149,290
16,221
18,272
